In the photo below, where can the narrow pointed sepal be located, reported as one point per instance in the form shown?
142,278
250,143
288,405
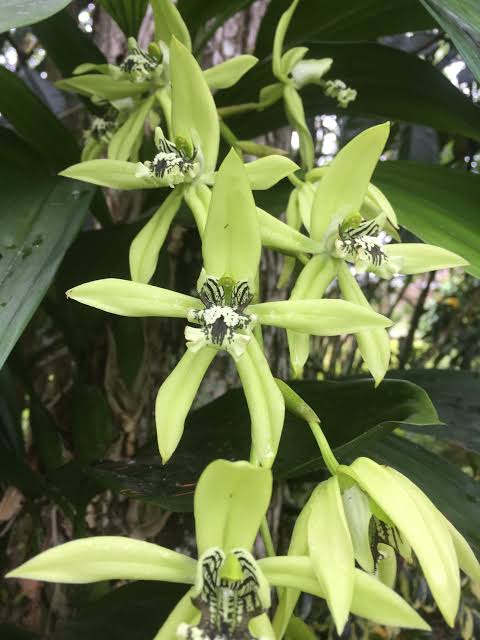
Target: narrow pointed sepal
169,23
116,174
107,558
231,499
416,257
134,299
373,344
331,550
265,403
228,73
146,246
175,398
277,235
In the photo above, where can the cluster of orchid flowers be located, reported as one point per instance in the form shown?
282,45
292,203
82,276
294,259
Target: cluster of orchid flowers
346,540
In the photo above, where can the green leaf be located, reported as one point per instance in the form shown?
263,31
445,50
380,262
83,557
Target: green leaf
452,491
221,429
391,84
34,121
342,20
461,21
231,499
92,424
132,612
38,225
18,13
66,44
197,13
128,14
455,396
437,204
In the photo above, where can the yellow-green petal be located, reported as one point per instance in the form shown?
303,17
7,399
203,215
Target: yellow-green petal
373,344
417,522
231,499
358,514
342,190
107,558
231,242
331,550
228,73
198,196
169,23
134,299
296,116
418,258
116,174
318,317
264,173
275,234
102,86
175,397
126,141
279,39
265,403
194,115
146,245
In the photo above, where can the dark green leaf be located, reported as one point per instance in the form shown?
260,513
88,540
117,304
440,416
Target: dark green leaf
9,632
461,21
128,14
437,204
66,44
133,612
17,13
34,121
92,424
342,20
453,492
390,84
221,429
38,224
456,397
46,437
197,13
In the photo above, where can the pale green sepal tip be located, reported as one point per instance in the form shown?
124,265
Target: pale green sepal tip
419,258
175,398
228,73
264,173
231,243
194,114
169,23
331,550
134,299
230,501
342,190
107,558
116,174
146,245
358,514
374,344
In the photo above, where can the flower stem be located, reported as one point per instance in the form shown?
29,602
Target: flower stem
225,112
230,138
267,538
331,462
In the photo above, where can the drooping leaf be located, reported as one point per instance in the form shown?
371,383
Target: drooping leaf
344,20
34,121
437,204
17,13
221,429
92,425
391,84
455,396
133,612
38,225
461,21
128,14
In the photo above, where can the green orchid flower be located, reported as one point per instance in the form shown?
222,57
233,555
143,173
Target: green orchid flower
186,161
230,595
225,316
293,73
348,215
